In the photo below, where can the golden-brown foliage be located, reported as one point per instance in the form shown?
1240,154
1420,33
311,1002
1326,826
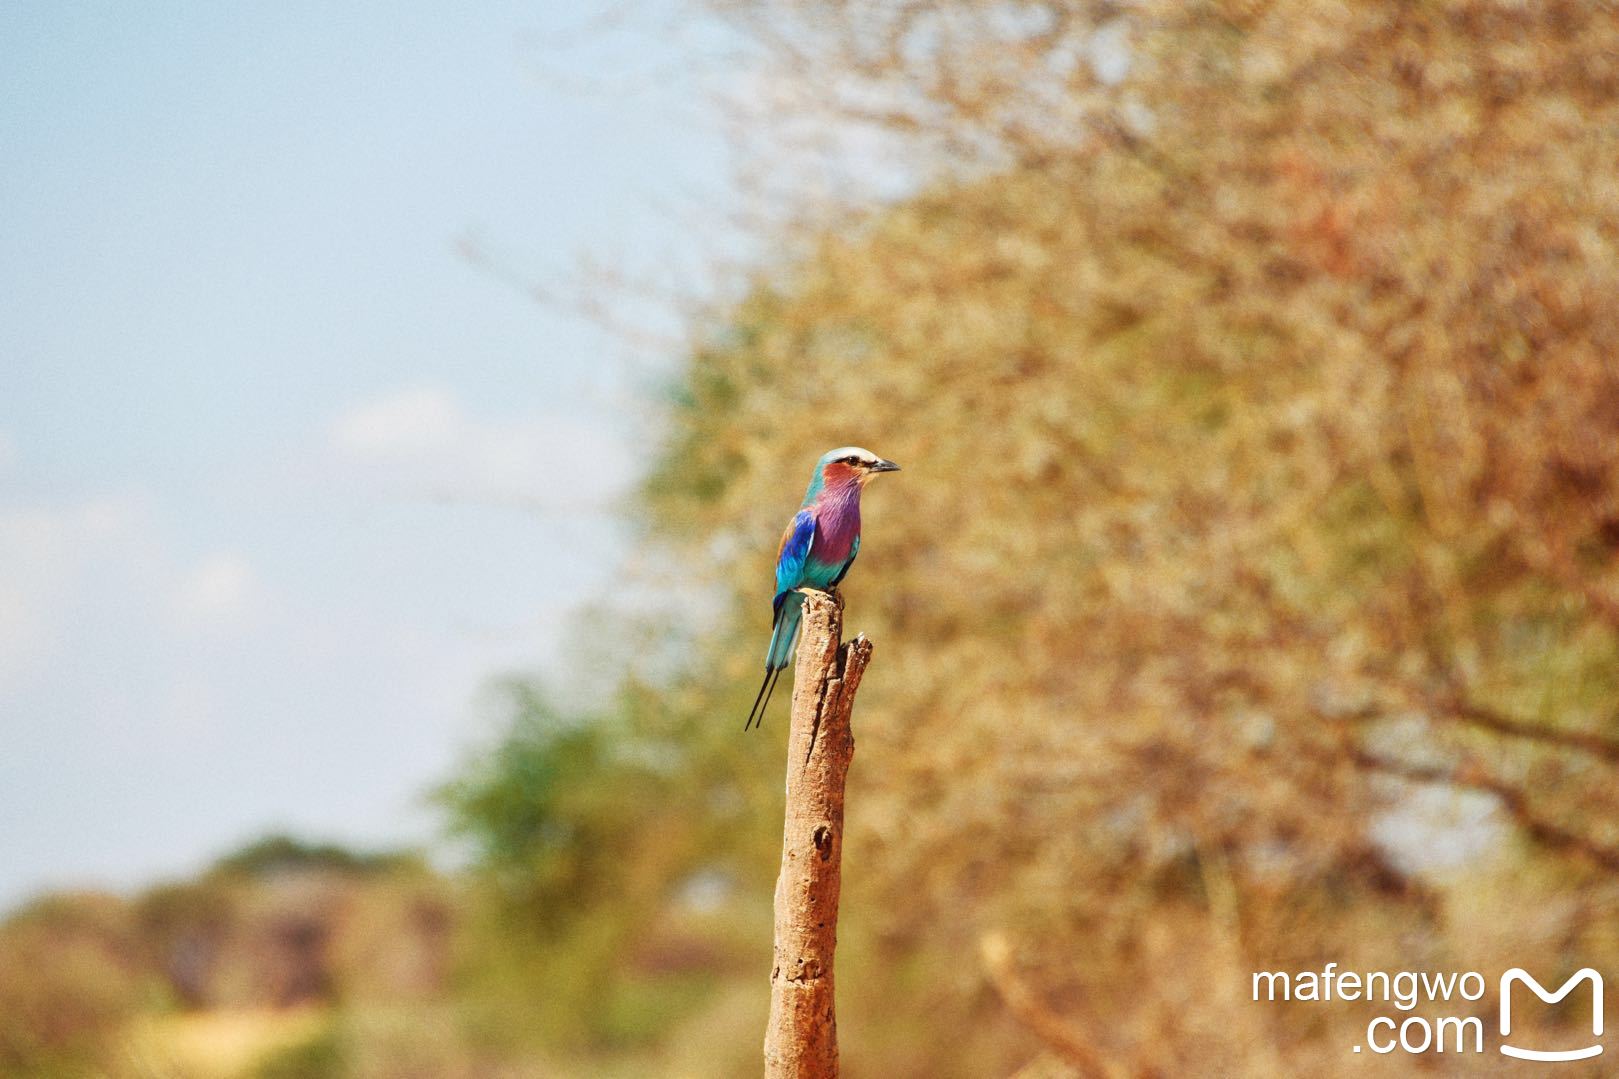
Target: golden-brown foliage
1258,414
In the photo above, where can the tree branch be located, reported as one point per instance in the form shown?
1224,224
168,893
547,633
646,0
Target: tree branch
1513,800
1487,719
1027,1007
801,1040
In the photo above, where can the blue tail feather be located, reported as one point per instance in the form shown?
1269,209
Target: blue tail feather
789,612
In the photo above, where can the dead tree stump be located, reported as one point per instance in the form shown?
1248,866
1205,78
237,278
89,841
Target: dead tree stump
801,1041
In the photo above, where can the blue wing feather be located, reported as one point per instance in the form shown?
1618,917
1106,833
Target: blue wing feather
795,549
787,607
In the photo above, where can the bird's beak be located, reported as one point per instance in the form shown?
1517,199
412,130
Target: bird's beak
885,466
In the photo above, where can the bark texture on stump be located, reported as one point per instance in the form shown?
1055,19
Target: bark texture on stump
802,1038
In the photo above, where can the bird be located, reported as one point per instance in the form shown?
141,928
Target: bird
816,551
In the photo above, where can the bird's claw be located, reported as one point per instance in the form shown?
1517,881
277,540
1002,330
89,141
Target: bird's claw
832,592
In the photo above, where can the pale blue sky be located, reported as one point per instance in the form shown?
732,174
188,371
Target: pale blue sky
283,479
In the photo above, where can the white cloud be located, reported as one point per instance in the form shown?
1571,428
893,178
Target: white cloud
411,421
220,592
421,440
48,552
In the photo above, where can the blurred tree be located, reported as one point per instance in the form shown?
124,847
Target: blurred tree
1253,369
274,854
583,827
282,922
70,977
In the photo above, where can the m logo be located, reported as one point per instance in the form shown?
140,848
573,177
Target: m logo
1518,974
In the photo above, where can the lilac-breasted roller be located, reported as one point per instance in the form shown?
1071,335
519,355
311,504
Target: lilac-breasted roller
817,549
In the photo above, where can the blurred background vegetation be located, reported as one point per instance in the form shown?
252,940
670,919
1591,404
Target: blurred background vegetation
1249,599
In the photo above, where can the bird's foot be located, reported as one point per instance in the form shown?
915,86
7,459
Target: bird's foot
833,593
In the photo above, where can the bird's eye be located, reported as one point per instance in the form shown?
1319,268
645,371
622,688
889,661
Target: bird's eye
851,460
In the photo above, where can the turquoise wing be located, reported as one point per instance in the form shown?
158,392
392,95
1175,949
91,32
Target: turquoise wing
794,553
